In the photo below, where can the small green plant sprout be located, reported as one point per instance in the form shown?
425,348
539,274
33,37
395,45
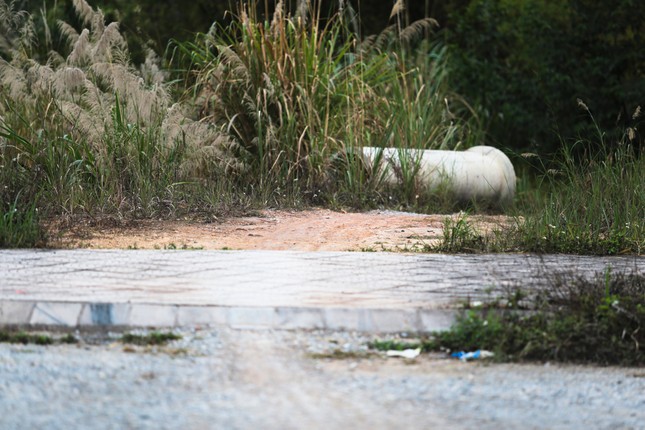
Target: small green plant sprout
459,236
69,339
150,339
367,249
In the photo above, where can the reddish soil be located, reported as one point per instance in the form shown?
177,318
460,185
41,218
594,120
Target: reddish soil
310,230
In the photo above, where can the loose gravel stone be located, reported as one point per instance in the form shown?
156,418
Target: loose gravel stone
241,379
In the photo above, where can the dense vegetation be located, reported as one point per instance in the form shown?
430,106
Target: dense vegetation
572,319
265,107
521,63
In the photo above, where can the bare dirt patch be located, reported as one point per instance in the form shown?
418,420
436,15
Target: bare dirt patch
309,230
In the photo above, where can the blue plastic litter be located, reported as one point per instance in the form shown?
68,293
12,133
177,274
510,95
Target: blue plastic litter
474,355
466,355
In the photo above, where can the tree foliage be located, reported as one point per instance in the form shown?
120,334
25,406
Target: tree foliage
525,63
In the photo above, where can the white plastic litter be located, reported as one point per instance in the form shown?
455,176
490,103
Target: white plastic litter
406,353
474,355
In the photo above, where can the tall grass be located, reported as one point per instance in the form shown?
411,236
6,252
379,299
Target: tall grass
593,201
86,132
590,199
296,94
19,226
276,110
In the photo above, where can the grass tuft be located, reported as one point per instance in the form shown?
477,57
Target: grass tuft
591,204
19,227
154,338
460,236
26,338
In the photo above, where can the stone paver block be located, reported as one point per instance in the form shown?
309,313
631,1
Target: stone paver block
153,315
300,318
437,319
202,315
61,314
15,312
253,317
105,314
390,320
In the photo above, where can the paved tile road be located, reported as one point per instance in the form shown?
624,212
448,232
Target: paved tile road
335,290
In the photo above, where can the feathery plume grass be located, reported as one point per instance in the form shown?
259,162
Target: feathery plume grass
68,32
399,7
292,93
89,121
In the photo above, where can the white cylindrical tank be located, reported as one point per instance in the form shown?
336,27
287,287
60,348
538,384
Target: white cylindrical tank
481,173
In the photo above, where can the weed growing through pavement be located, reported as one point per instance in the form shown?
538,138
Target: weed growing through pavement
572,319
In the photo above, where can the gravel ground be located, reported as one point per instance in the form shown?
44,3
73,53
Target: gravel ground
281,380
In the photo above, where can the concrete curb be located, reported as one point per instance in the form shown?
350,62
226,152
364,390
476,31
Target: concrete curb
98,315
